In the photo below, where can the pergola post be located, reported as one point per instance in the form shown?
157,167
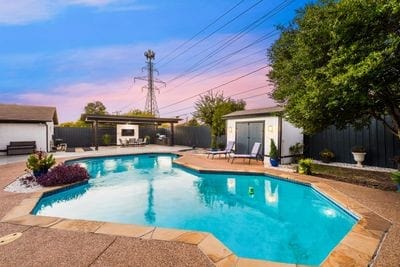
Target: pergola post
171,140
95,124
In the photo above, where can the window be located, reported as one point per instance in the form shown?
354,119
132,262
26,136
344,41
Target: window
128,132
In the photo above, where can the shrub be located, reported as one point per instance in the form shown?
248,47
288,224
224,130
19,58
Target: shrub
63,174
326,155
106,139
395,176
305,166
273,151
296,150
40,161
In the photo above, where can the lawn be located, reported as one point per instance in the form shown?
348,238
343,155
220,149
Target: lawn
374,179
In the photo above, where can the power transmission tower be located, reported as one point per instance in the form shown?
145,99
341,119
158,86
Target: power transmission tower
151,102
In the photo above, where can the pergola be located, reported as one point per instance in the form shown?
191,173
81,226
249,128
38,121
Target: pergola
95,120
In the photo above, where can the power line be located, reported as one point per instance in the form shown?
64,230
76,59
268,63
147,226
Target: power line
243,92
216,87
212,33
201,31
237,36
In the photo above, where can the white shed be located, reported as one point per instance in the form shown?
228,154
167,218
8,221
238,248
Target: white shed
261,125
20,123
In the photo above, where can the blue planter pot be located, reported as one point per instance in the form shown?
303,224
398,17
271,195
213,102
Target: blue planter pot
39,173
274,162
398,187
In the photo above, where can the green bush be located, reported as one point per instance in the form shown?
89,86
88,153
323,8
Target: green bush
106,139
297,151
326,155
273,150
395,176
40,161
305,166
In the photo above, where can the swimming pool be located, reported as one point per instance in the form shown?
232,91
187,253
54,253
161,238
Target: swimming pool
255,216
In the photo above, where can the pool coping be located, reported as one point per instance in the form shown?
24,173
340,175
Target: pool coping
358,248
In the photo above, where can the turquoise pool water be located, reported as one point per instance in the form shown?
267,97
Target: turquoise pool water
255,216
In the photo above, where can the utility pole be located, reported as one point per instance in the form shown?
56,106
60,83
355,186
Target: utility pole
151,102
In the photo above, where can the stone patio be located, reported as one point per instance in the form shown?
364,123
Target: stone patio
48,241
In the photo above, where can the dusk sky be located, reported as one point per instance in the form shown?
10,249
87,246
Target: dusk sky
67,53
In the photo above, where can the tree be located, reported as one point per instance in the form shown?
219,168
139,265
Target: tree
192,122
139,113
78,123
338,63
95,108
211,107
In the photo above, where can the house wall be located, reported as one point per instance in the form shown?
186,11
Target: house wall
290,134
126,126
26,132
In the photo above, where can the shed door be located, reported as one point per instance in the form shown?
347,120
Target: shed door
247,133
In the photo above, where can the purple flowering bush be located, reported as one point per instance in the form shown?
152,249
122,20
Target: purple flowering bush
63,174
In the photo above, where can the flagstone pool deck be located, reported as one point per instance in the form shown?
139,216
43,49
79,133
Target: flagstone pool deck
48,241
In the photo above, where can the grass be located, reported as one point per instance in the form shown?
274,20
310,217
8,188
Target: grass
374,179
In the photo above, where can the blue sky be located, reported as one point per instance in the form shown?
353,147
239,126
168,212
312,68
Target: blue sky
68,53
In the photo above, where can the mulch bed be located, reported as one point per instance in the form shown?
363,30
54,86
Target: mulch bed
373,179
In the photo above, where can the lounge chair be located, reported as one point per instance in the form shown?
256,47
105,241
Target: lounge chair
226,151
255,153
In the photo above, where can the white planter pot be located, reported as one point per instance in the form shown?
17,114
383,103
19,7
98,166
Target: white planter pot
359,158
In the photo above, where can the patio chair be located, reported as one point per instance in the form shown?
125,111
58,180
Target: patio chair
255,153
142,141
122,142
226,151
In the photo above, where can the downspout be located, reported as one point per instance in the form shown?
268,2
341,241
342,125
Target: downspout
47,137
279,136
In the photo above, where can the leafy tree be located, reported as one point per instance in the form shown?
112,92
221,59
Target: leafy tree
338,63
139,113
211,107
95,108
192,122
78,123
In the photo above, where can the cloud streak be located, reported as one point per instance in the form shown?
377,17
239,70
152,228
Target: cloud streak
21,12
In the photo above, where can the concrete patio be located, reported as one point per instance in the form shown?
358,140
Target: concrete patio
49,246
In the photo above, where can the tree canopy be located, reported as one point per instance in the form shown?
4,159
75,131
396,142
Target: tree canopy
139,113
211,107
95,108
78,123
338,63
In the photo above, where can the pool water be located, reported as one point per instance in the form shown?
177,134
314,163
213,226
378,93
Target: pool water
255,216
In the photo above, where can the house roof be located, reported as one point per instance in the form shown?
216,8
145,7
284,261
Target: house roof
23,113
259,112
127,119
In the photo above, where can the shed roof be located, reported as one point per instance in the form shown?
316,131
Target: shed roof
259,112
24,113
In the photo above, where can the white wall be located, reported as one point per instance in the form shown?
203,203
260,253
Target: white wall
26,132
270,129
290,134
126,126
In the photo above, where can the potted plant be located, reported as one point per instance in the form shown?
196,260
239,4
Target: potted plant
396,178
359,155
305,166
296,151
273,154
326,155
40,162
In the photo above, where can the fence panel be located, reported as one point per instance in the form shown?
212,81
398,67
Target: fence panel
380,144
83,137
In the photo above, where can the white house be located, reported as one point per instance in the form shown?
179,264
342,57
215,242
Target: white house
27,123
261,125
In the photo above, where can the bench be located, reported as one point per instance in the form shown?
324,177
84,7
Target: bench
21,148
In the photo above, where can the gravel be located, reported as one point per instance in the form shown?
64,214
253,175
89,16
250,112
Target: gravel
23,185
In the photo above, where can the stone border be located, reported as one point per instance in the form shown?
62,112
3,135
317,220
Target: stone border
358,248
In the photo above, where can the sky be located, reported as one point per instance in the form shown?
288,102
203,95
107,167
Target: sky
66,53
